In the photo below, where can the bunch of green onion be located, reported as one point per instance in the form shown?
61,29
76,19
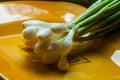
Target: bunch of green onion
100,18
46,41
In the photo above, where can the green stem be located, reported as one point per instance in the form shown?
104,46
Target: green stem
96,19
111,27
87,28
90,11
105,21
99,15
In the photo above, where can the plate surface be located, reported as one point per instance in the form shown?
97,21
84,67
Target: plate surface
17,62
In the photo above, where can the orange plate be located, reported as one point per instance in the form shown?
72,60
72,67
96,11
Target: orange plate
16,62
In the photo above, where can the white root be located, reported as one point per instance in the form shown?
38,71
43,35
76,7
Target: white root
63,63
35,23
30,43
44,34
29,33
58,28
38,35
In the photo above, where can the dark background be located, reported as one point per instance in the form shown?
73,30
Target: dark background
85,3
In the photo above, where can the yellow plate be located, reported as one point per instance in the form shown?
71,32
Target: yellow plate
16,62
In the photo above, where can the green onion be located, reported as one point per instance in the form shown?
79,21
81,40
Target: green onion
52,42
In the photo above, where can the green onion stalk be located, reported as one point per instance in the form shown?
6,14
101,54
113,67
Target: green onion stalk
99,18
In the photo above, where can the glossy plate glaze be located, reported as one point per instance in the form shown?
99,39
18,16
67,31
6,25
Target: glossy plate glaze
17,62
